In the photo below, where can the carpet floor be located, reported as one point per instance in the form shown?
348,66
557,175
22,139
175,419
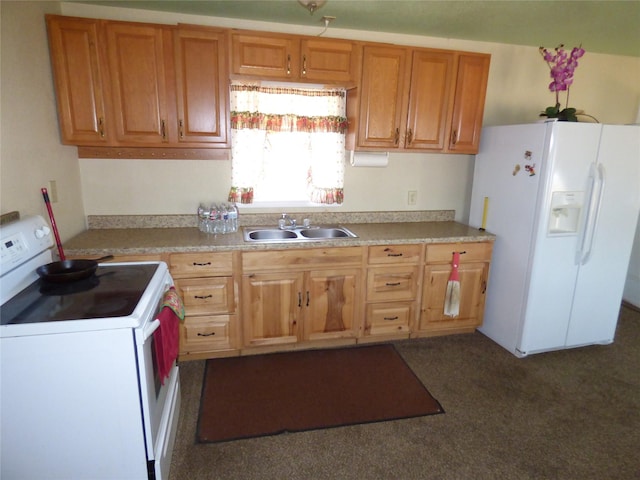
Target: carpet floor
261,395
566,415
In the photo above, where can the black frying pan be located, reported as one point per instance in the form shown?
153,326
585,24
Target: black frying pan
69,270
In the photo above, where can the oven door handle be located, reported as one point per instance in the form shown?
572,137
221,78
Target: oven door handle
149,329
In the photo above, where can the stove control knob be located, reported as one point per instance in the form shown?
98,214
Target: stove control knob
42,232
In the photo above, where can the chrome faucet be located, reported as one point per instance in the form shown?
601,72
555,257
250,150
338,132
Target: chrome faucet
287,222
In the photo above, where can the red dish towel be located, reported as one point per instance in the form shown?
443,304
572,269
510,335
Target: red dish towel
166,336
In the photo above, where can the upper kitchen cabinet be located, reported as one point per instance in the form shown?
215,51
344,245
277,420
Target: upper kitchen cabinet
123,87
293,58
79,79
418,100
202,80
468,107
383,97
137,54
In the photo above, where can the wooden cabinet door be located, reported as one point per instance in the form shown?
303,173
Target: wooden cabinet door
330,302
383,98
201,86
271,305
473,284
430,91
136,55
79,79
468,107
265,56
327,60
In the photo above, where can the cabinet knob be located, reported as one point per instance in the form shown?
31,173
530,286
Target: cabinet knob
101,127
397,136
288,64
181,128
409,137
454,137
304,65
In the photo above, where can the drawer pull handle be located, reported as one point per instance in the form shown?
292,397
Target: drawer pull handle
299,299
391,318
196,264
202,297
461,253
307,298
206,334
394,254
395,284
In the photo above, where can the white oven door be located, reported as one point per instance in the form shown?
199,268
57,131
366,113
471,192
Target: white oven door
160,403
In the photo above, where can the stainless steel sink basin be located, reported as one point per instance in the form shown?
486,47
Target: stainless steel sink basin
299,234
326,233
273,234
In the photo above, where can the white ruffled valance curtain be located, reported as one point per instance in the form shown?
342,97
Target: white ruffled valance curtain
264,120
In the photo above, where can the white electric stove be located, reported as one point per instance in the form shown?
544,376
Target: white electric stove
80,397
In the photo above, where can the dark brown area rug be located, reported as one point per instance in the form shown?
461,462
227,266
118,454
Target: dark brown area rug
261,395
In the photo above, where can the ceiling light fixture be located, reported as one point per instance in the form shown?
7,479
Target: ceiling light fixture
312,5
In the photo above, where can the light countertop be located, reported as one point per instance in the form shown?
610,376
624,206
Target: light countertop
136,241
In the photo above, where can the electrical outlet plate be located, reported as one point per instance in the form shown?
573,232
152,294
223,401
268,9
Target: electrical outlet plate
412,197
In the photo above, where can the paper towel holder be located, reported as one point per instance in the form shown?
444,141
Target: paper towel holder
368,159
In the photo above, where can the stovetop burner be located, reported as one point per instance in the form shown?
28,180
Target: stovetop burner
114,291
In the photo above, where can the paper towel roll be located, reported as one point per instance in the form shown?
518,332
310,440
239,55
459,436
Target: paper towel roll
369,159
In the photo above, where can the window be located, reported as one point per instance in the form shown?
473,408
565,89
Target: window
287,144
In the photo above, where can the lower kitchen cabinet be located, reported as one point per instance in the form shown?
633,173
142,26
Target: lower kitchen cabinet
473,274
207,286
270,307
296,297
393,279
259,301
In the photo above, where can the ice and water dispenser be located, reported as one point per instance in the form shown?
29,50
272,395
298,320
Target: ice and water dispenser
564,217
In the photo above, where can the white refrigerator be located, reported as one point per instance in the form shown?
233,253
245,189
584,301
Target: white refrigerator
562,199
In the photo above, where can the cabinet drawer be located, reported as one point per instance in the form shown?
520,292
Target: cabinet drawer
200,264
301,259
200,334
470,252
203,296
395,254
392,283
388,318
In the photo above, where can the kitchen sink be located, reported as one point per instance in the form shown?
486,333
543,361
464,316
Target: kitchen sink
299,234
270,234
324,232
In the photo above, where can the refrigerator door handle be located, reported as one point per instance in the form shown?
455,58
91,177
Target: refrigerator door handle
597,179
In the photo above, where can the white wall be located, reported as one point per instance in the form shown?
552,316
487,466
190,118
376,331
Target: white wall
33,155
30,150
517,93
